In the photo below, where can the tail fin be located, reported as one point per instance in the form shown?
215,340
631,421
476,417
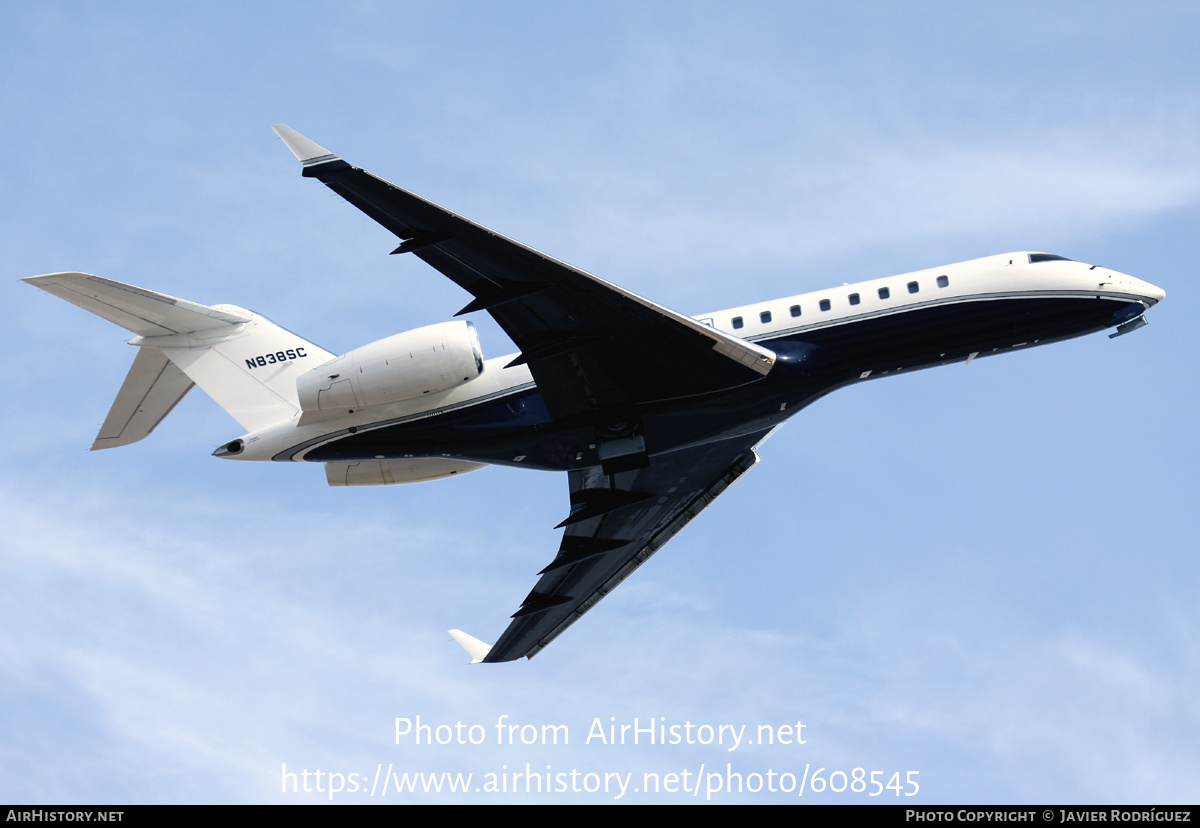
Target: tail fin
245,362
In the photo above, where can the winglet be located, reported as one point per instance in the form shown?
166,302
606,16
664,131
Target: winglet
307,152
475,648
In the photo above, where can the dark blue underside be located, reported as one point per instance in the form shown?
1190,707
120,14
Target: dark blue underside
812,363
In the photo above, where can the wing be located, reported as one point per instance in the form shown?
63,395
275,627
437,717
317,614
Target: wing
617,522
590,345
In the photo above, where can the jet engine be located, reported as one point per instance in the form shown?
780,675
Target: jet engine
401,367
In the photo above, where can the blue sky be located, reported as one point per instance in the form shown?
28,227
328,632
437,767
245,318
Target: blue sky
984,574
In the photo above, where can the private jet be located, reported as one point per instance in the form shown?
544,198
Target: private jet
651,413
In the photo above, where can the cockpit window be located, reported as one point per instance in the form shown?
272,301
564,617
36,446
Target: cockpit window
1034,258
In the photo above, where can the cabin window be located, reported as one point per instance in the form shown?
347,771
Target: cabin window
764,317
884,293
943,281
795,310
737,321
855,299
913,287
823,304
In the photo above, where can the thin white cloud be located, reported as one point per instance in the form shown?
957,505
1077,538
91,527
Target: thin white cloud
194,656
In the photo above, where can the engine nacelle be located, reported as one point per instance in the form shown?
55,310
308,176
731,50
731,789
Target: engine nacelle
401,367
388,472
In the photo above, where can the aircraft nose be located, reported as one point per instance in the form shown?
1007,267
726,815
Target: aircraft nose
1124,283
1152,292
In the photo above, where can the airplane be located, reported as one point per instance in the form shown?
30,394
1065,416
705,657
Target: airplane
651,413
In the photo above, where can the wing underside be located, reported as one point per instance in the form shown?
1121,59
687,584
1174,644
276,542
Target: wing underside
590,345
616,523
597,353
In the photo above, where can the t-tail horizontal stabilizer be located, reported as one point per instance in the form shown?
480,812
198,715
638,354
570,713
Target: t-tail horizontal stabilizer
245,362
152,389
475,648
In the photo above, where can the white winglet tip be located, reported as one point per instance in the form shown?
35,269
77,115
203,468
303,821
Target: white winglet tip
301,147
475,648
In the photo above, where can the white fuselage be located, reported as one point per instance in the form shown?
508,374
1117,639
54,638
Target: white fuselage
1002,277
